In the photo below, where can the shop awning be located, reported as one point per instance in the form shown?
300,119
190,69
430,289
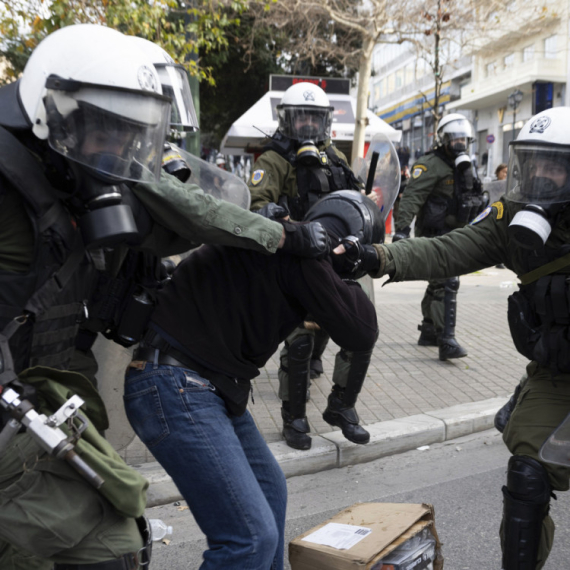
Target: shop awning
260,120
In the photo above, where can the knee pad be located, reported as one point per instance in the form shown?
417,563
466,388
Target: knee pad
527,480
301,348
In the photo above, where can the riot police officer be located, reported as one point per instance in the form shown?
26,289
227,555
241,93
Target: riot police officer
528,231
444,194
81,136
298,166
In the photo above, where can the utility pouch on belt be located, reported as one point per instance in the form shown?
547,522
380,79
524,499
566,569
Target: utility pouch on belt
540,324
434,213
523,325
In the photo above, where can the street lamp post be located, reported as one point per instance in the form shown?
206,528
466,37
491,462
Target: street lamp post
514,100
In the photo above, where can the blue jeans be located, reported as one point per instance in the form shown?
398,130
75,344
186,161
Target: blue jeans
220,463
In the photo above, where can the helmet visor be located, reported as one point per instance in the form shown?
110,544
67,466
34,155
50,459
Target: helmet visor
304,123
174,81
117,132
538,174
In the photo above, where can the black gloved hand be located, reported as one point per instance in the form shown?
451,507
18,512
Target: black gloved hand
273,211
358,258
307,239
402,234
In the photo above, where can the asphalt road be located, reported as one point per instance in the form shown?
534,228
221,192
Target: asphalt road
461,478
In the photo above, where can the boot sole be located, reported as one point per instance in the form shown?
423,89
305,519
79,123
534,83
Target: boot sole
304,447
330,418
453,357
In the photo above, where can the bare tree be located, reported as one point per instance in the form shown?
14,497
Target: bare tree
315,27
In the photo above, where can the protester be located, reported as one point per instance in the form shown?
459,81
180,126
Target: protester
219,320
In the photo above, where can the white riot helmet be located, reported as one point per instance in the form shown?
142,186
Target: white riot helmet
305,113
174,80
455,133
539,175
97,99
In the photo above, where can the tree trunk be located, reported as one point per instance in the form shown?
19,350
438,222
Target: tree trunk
364,74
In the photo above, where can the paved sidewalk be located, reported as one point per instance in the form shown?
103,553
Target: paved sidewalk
410,398
406,379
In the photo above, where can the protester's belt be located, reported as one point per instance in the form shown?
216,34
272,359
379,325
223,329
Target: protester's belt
156,349
234,391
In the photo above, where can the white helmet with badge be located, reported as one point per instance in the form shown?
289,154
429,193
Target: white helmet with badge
305,113
454,127
99,104
539,175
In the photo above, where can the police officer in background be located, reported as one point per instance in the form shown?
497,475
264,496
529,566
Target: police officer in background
298,166
444,194
528,230
81,138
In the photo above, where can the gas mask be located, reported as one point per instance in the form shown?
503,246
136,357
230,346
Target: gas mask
105,220
309,155
532,225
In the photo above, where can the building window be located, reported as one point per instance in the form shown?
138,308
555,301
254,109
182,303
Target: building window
528,53
391,83
509,60
382,88
491,69
399,78
550,47
409,74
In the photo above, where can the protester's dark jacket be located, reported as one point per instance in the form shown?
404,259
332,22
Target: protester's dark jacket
229,308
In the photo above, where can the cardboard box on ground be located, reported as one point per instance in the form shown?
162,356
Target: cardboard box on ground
363,536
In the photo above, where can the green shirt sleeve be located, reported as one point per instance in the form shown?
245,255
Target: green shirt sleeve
458,252
272,176
185,216
425,176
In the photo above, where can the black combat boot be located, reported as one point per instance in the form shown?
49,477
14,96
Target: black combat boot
428,336
295,430
448,347
503,415
342,414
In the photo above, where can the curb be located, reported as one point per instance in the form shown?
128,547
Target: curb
331,450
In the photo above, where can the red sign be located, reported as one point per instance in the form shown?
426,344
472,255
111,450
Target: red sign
490,139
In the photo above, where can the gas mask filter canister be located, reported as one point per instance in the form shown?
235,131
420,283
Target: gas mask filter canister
530,227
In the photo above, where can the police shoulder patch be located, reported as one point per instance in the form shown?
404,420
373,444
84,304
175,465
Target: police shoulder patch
482,215
417,170
500,209
257,176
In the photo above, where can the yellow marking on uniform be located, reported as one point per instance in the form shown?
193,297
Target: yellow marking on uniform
500,209
417,170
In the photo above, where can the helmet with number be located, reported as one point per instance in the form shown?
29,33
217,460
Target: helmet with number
97,100
174,80
305,113
454,133
539,160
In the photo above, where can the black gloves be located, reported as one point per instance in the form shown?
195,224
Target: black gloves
308,239
402,234
273,211
358,259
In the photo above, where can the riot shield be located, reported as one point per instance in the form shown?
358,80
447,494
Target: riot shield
383,184
556,449
215,181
